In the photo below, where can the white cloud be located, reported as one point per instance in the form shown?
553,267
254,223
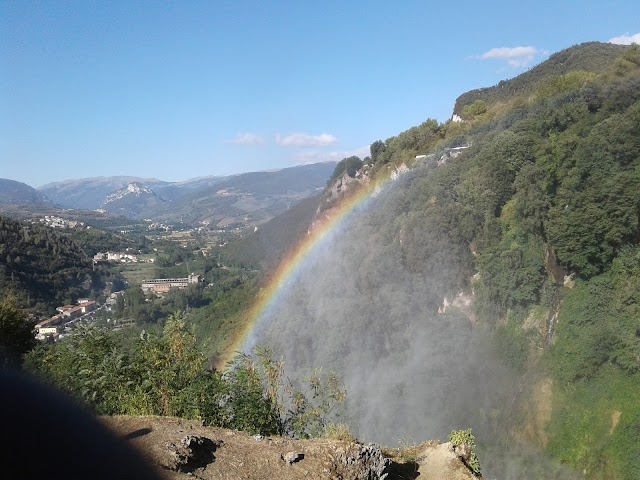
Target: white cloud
516,57
626,39
306,140
247,139
317,156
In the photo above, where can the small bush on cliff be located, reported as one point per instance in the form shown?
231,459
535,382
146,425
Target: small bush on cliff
465,437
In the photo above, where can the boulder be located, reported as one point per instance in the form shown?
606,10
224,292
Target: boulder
193,452
359,462
293,457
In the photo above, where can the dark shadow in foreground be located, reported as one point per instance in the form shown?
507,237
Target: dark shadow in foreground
46,434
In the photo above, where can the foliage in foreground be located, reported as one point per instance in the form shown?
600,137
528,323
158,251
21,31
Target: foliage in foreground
303,409
595,424
166,375
16,333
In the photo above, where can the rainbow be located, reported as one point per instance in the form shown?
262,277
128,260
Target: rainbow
295,260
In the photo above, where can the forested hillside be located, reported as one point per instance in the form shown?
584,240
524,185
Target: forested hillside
537,221
545,198
266,246
591,57
18,193
44,268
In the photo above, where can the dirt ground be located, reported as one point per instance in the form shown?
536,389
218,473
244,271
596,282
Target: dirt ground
235,455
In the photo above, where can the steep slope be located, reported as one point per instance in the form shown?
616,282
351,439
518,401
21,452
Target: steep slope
453,288
41,266
18,193
266,245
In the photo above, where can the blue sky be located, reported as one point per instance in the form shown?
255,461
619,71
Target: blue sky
175,90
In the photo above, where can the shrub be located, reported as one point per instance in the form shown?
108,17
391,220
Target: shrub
465,437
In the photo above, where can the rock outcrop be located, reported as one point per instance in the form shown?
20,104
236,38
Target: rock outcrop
437,461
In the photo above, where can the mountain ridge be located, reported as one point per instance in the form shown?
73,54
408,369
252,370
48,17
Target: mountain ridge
214,200
13,192
593,57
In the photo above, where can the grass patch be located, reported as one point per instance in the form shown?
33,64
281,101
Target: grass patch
339,431
135,273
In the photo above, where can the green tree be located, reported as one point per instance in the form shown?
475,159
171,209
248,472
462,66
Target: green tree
16,333
119,308
253,410
376,149
262,399
473,110
89,364
349,165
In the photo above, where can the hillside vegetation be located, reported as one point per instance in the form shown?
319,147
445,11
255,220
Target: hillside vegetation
591,57
44,268
548,188
266,246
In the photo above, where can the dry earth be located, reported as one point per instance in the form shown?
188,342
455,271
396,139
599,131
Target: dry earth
183,449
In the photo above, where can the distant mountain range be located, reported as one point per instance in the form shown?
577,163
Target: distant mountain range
91,193
249,198
237,200
18,193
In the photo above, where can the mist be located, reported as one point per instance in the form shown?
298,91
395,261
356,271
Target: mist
410,372
359,307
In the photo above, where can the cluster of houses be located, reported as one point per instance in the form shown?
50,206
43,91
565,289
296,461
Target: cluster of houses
59,222
51,326
116,257
158,226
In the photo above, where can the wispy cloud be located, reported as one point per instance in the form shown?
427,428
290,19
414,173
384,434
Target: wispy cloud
306,140
315,156
247,139
626,39
516,57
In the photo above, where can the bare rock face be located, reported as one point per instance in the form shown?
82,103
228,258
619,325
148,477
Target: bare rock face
358,462
463,451
437,461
